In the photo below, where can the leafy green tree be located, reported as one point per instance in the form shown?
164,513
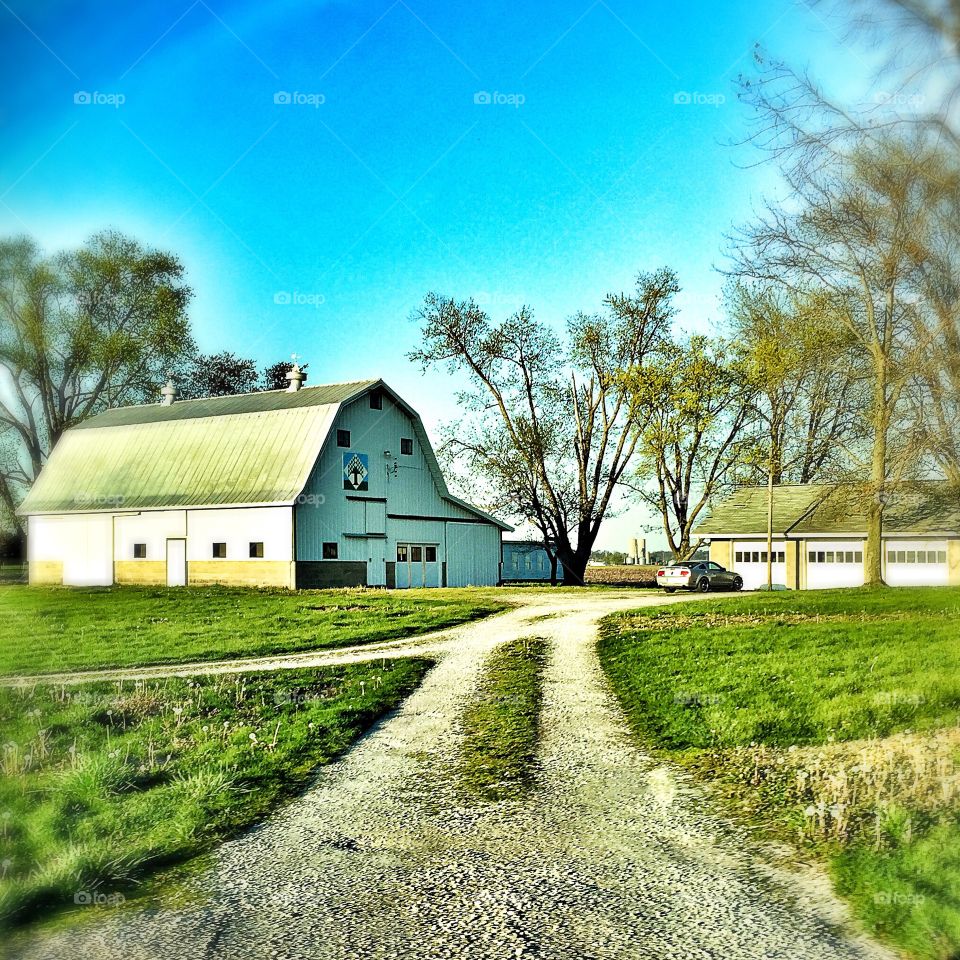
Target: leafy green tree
215,375
275,376
79,332
695,413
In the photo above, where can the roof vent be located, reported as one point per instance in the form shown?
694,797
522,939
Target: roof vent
168,394
296,377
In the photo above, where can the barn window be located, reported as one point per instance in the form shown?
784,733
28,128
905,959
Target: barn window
330,551
858,556
416,554
516,562
406,446
782,557
431,554
941,556
921,556
139,551
376,400
256,549
343,438
401,553
219,551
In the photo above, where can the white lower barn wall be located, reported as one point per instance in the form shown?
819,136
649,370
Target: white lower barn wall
238,528
75,549
100,549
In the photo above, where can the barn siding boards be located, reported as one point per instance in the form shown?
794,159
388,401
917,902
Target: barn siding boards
473,555
405,498
329,574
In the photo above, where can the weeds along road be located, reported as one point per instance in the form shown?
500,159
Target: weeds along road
611,855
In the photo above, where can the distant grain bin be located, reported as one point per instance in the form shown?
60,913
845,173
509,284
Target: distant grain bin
638,550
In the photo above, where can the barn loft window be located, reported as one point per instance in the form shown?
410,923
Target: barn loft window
406,446
431,554
376,400
139,551
343,438
219,551
256,549
330,551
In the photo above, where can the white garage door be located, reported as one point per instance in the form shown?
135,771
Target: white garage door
916,563
837,563
750,561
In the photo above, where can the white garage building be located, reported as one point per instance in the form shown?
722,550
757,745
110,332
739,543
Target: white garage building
819,535
324,486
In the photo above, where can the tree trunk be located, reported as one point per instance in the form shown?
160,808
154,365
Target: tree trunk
770,485
873,552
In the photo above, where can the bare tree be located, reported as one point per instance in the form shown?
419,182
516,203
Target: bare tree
550,425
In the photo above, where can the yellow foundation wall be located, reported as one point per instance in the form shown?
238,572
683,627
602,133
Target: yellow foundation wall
721,551
145,572
242,573
792,556
46,572
953,562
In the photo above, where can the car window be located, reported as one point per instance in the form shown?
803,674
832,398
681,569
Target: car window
715,566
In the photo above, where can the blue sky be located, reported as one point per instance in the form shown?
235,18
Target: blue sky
381,177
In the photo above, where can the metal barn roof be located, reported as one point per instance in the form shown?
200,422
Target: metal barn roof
245,450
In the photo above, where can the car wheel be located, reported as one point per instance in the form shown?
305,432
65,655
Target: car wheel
669,589
703,585
738,583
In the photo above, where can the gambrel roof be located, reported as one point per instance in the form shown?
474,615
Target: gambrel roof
254,449
811,508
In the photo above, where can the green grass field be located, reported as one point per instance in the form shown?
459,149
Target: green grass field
105,783
501,724
46,630
825,718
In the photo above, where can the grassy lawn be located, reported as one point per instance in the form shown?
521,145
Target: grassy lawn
826,718
501,724
45,630
104,783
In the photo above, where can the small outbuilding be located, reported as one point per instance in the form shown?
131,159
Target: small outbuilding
820,531
526,560
324,486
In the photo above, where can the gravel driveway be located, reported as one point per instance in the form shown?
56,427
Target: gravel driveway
612,856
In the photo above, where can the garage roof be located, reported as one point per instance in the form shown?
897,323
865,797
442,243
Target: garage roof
745,510
927,509
801,509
